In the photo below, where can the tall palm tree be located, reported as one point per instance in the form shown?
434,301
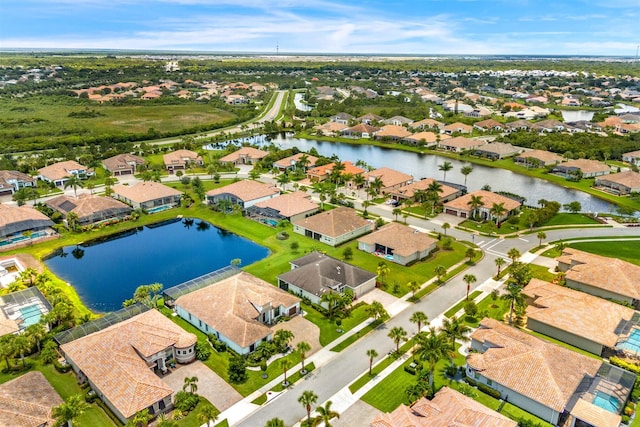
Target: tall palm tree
68,411
413,287
445,227
454,329
475,202
433,194
376,185
302,348
74,182
541,236
469,279
371,354
325,415
397,334
515,297
306,399
383,270
432,346
285,364
141,419
497,210
303,162
21,346
6,348
419,318
36,332
333,301
190,383
274,422
440,271
445,167
208,415
376,310
499,263
466,170
514,254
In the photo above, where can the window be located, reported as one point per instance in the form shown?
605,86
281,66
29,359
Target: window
200,321
489,382
189,316
190,350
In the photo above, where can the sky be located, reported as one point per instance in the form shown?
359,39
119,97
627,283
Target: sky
418,27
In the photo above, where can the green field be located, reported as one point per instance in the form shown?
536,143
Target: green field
628,250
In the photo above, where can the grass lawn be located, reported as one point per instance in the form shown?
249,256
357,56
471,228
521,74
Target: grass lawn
388,360
628,250
191,420
542,273
565,218
453,310
329,329
353,338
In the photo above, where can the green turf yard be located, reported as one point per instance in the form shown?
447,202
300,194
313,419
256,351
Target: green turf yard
628,250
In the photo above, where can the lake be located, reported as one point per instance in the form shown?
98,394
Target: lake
106,272
426,165
570,116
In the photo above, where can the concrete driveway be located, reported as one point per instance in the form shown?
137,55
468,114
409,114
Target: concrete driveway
210,386
303,330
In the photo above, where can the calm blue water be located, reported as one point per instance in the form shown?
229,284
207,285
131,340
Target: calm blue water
31,315
108,272
632,343
606,402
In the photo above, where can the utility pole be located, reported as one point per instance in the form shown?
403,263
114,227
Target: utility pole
278,49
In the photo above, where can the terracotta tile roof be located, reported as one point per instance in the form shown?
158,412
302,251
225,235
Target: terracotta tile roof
404,240
586,166
390,177
27,401
293,160
290,204
519,124
181,157
543,372
628,179
448,408
611,274
462,143
145,191
60,170
88,205
428,137
122,161
500,149
594,415
230,306
371,117
21,217
246,152
430,123
408,191
393,131
572,311
110,358
632,154
542,155
487,197
334,223
455,127
349,168
489,124
361,128
15,175
246,190
331,127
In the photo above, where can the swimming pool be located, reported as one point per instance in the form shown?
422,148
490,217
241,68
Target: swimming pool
30,315
159,209
632,342
606,402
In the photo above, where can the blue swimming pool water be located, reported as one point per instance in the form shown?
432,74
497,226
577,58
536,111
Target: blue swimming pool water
632,343
159,209
30,315
107,272
606,402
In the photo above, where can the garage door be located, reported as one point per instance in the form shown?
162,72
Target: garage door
451,212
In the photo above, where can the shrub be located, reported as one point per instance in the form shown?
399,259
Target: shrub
451,371
471,309
616,361
203,351
408,369
61,368
237,370
488,390
185,402
625,419
90,396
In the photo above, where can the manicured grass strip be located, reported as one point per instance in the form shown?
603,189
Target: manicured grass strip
294,378
627,250
384,363
191,420
453,310
355,337
328,328
541,272
564,218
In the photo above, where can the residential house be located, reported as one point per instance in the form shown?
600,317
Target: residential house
330,128
89,208
293,162
518,125
489,125
548,126
587,168
245,193
238,310
15,221
427,124
609,278
361,130
12,181
341,118
60,172
408,192
448,408
568,315
123,164
461,206
456,106
150,196
460,144
289,206
321,173
497,150
316,274
391,179
369,119
121,362
552,382
244,156
425,138
181,160
457,128
28,401
236,99
21,309
537,158
333,227
621,183
391,133
478,112
397,121
398,243
632,157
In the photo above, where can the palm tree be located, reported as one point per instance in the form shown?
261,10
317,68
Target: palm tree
325,415
497,210
21,346
306,399
413,287
208,415
68,411
420,318
72,221
515,297
333,301
455,329
514,254
383,270
376,185
35,333
469,279
303,162
541,237
466,170
396,212
397,334
74,182
499,263
283,179
445,167
433,194
141,419
273,422
440,271
371,354
285,364
445,227
190,383
6,348
475,202
302,348
376,310
432,347
470,253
